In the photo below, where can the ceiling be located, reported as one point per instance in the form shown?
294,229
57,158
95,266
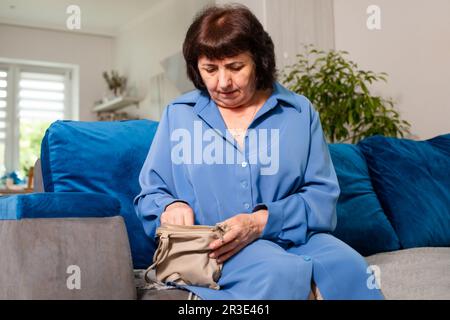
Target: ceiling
100,17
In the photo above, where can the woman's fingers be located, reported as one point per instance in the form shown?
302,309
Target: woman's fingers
178,219
227,237
171,218
178,214
230,245
189,219
230,253
238,236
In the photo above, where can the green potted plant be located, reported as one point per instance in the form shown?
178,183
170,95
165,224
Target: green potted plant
340,93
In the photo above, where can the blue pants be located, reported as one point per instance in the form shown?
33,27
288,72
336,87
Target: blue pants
265,271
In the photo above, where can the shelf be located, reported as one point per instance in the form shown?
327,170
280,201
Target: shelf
116,104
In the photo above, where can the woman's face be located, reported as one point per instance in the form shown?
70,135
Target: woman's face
231,82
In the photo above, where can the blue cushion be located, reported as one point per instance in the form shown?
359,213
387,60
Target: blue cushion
361,222
103,157
58,205
412,181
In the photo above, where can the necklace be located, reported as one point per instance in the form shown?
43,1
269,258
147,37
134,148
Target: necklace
239,133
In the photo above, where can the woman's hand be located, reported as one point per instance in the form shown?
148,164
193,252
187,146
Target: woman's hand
178,213
241,230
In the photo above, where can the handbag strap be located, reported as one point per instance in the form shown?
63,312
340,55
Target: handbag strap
160,254
176,278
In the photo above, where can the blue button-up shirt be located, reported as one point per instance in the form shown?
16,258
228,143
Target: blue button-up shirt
284,166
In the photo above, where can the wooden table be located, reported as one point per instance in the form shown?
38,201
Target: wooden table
5,191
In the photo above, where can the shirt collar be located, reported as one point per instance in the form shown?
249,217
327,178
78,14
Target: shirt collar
200,99
206,108
282,94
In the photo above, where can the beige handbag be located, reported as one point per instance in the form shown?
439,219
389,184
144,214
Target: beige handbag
182,256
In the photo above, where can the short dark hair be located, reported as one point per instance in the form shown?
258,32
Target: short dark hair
219,32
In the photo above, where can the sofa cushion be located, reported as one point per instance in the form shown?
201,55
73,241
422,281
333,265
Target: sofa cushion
103,157
361,222
58,205
417,273
412,181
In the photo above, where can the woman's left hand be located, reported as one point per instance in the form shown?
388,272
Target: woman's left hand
241,230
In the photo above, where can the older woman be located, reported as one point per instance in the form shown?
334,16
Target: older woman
245,151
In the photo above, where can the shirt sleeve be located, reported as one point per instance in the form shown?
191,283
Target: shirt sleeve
313,207
156,180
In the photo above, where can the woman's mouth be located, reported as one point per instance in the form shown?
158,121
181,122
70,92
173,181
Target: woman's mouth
227,94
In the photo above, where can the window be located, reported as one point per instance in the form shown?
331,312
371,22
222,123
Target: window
31,98
3,119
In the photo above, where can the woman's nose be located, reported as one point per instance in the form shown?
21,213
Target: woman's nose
224,79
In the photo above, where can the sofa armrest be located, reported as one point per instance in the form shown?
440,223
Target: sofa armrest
58,205
66,258
64,246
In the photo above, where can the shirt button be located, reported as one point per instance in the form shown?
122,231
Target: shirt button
244,184
307,258
244,164
246,206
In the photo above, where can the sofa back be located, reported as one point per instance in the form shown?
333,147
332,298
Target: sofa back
394,192
412,182
101,157
361,221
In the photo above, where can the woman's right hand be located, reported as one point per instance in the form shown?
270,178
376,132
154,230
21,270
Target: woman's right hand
178,213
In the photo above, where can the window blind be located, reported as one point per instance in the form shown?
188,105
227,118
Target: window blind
3,115
41,96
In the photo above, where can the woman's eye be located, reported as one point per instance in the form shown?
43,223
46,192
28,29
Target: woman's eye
236,68
210,70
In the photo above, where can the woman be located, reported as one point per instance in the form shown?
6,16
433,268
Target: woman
278,209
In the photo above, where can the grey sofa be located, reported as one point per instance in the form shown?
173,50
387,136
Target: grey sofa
94,258
36,255
414,274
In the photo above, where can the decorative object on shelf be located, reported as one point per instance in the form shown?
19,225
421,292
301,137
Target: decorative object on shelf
107,108
115,104
114,116
116,83
339,90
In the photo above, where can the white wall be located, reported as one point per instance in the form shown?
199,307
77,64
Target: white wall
258,7
94,54
413,47
144,43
